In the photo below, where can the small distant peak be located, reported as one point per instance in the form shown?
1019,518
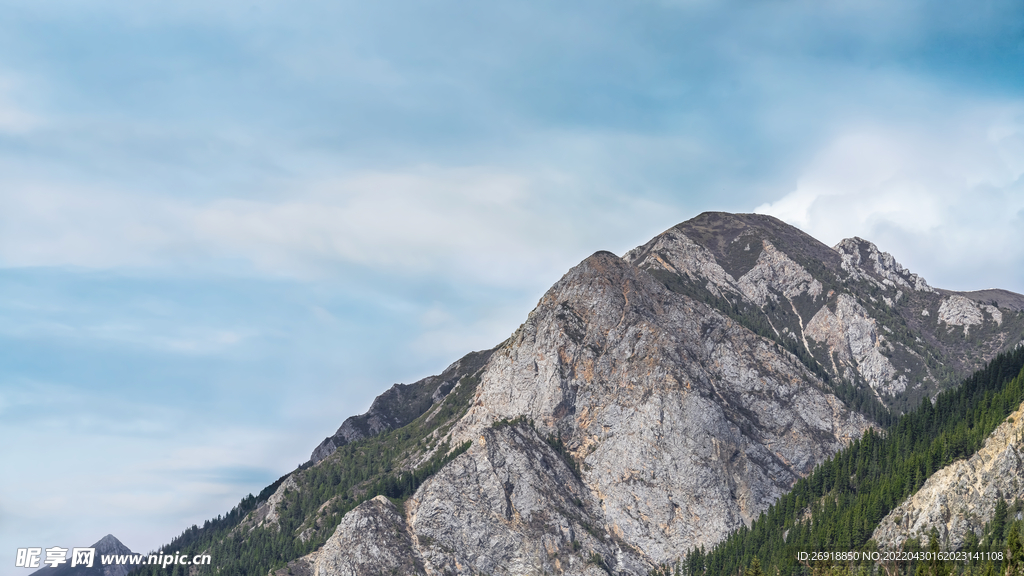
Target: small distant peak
110,544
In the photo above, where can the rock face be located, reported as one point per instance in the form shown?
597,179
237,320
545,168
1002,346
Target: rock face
855,348
859,255
962,497
775,270
372,540
266,513
511,505
686,424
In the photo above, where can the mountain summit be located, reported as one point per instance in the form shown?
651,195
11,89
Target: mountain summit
648,405
878,332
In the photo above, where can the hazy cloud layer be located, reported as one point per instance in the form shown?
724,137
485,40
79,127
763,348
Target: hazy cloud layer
946,197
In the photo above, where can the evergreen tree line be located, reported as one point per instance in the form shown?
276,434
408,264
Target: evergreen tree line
838,506
999,551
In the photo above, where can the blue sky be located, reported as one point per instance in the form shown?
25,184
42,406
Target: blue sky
226,226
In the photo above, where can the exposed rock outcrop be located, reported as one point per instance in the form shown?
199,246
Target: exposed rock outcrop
853,342
266,513
686,424
776,272
959,311
858,254
372,540
511,505
962,497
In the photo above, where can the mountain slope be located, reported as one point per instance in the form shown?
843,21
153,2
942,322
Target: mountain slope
400,405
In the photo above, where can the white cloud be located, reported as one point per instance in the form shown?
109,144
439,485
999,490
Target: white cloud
945,199
488,226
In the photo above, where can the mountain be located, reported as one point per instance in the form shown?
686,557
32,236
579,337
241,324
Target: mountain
648,405
106,546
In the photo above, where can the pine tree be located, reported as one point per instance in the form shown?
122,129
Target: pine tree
1014,552
755,568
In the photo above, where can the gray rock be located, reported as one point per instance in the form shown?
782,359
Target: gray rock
853,341
686,424
960,311
859,254
372,540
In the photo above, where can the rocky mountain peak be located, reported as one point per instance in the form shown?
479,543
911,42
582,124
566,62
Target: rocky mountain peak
860,256
621,421
674,412
110,545
853,314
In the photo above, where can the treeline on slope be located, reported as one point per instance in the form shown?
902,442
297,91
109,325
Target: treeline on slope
998,552
861,399
839,505
353,474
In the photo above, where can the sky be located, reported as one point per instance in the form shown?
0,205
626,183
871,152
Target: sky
227,225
